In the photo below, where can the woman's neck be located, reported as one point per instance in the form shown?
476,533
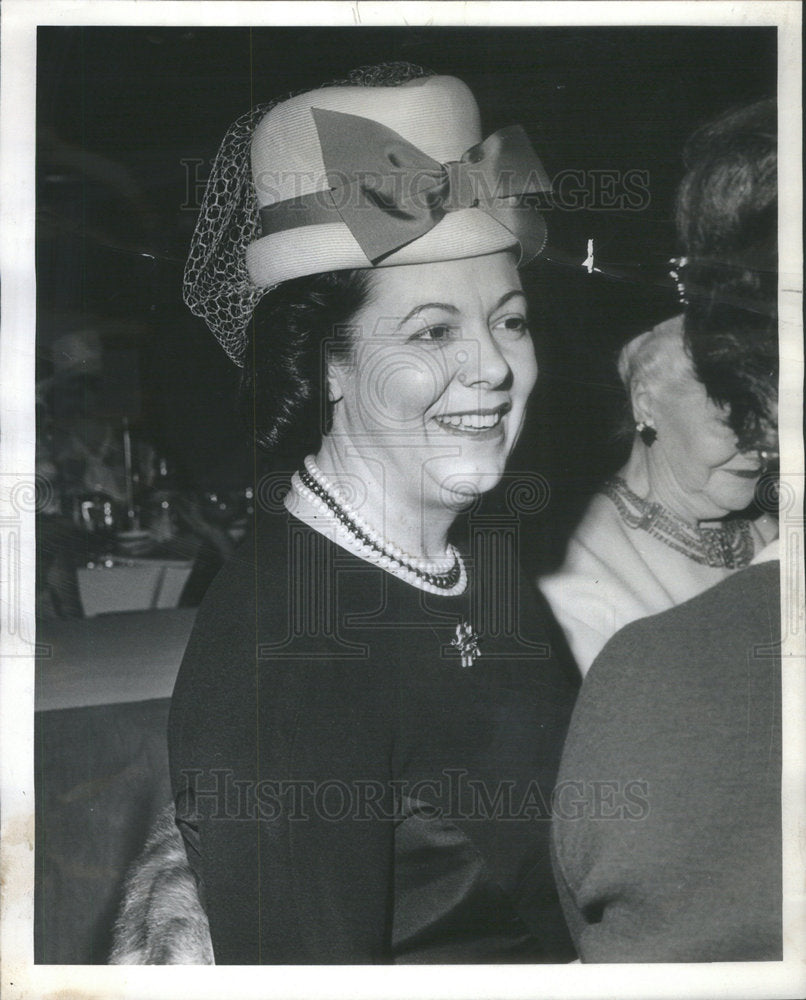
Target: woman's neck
650,478
399,518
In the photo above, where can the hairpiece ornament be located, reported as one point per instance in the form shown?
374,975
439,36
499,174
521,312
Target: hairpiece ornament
676,265
647,433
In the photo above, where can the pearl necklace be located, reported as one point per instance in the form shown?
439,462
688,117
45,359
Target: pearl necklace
446,576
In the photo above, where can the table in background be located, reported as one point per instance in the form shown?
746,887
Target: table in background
103,689
128,582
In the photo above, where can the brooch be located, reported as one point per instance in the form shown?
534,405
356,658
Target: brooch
467,642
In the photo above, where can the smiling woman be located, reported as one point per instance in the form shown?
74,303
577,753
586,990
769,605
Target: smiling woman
654,536
350,745
441,392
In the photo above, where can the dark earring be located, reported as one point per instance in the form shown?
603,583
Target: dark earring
647,433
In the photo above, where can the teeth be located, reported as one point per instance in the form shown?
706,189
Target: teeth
471,421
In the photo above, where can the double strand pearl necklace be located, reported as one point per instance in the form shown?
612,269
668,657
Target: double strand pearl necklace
446,576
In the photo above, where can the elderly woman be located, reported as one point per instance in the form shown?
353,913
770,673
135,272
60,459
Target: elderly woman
659,532
361,774
676,737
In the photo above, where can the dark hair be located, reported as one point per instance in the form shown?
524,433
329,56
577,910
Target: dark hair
739,368
295,330
727,210
727,203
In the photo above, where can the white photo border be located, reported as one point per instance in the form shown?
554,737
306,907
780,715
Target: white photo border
19,977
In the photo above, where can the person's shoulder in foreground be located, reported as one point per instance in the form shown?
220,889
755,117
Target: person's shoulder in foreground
667,835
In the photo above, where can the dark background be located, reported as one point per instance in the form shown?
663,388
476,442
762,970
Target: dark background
130,118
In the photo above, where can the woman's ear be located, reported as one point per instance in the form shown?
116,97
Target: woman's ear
643,403
335,388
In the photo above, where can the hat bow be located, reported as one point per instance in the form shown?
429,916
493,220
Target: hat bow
389,193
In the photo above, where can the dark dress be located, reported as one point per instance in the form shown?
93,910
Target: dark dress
348,791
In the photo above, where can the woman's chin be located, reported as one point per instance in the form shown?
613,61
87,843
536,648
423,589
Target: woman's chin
460,491
736,495
459,503
724,507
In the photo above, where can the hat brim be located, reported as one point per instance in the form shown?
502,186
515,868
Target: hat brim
293,253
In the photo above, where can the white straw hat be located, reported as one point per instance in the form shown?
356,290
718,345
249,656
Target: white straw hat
318,182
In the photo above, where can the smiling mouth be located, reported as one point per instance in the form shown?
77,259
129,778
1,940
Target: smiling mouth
475,423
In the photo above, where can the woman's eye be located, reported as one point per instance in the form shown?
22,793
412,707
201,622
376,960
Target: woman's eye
438,333
512,326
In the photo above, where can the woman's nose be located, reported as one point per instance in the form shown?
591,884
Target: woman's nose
482,361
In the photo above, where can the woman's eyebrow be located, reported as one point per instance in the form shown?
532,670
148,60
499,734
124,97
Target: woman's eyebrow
445,306
507,296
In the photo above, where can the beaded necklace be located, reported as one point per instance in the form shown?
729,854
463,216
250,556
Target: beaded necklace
446,576
727,547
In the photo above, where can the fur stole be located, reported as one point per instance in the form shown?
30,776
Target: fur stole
161,920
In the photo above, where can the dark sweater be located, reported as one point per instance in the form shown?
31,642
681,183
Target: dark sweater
376,801
668,838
